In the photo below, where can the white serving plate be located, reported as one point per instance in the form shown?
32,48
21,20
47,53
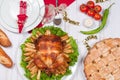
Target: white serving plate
9,9
21,71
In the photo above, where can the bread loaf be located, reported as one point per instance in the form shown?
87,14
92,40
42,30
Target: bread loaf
5,59
4,41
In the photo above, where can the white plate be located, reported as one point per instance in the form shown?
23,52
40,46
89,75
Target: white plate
22,72
9,9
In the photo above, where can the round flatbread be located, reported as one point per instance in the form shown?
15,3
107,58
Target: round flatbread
103,60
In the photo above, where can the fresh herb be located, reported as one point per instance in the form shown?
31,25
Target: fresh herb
104,20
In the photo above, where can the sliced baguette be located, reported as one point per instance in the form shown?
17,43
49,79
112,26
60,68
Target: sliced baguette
4,41
5,59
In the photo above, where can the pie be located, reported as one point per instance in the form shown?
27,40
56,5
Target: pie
103,60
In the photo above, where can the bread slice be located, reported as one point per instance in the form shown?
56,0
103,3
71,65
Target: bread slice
5,59
4,41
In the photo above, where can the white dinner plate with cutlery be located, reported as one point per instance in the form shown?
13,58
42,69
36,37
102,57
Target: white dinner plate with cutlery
9,9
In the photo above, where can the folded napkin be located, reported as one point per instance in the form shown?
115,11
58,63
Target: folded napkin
67,2
47,2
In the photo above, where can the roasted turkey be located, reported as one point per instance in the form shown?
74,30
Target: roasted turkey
48,53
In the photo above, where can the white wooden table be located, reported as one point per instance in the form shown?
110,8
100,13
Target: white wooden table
112,29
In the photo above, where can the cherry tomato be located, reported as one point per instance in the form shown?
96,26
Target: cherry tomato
83,8
90,4
91,12
97,8
97,16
